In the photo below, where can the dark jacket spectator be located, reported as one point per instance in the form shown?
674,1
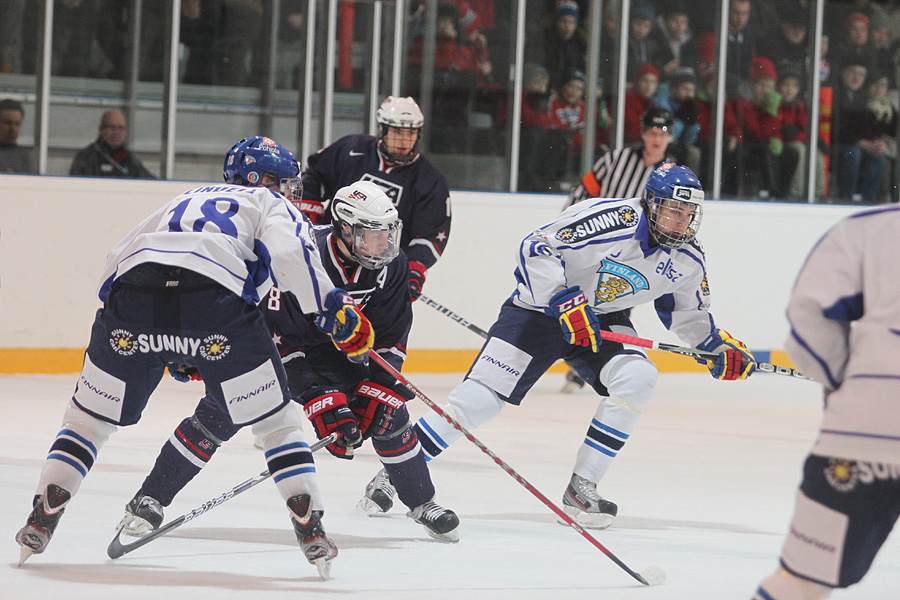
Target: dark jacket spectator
107,156
13,157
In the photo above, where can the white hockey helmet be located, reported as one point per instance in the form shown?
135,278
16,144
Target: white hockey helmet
401,113
365,219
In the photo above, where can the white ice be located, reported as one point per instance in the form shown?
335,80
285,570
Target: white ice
705,490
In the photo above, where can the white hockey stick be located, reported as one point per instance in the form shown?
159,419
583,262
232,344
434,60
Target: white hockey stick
652,575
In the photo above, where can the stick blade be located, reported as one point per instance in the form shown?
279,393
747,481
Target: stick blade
653,575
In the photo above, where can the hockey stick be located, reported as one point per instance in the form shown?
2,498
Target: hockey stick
652,575
693,353
446,311
117,549
763,367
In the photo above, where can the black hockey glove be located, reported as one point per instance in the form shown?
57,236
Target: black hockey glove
376,403
327,410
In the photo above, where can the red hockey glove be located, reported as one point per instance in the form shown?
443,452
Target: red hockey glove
417,273
327,410
734,362
578,321
376,402
314,211
183,373
349,329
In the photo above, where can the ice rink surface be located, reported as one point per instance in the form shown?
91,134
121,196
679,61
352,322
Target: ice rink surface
705,490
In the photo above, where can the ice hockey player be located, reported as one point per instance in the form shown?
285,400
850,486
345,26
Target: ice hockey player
581,272
361,254
205,248
415,186
843,315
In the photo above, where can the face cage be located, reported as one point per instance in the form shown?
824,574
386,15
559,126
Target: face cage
292,189
663,229
359,247
400,159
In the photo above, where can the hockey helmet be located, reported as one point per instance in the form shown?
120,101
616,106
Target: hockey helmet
253,160
673,198
365,219
657,117
399,113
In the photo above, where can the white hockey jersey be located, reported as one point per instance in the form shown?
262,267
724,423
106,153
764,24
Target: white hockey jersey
247,239
844,315
604,247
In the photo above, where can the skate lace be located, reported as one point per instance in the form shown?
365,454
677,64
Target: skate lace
382,483
429,511
586,489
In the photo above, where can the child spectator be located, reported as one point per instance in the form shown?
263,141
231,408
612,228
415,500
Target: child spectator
677,45
792,115
642,47
881,128
638,100
564,44
762,142
568,116
679,96
706,97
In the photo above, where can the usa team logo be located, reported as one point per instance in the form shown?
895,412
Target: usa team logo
841,474
617,280
215,347
122,342
356,195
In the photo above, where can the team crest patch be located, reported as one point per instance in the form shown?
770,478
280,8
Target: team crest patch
122,342
611,219
841,474
617,280
215,347
253,176
704,287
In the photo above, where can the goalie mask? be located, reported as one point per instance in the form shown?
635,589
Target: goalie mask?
261,161
365,219
673,198
399,113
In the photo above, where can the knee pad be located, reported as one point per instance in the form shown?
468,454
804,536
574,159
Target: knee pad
783,585
473,404
631,379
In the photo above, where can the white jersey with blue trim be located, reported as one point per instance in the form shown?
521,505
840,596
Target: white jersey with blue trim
605,248
844,315
247,239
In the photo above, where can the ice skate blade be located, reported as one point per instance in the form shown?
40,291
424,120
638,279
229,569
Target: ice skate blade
369,507
451,537
134,526
24,554
324,567
586,519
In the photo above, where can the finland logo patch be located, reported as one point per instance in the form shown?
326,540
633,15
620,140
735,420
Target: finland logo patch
611,219
617,280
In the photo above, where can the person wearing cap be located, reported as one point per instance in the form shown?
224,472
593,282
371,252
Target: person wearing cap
792,116
564,45
854,45
788,43
762,143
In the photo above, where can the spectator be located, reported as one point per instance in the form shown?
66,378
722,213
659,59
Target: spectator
762,143
642,47
567,114
14,158
11,35
706,96
677,47
75,24
788,44
792,116
880,138
679,95
741,50
564,44
855,47
107,156
639,99
242,24
860,162
880,40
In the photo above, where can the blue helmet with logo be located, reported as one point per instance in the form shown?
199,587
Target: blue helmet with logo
673,197
263,161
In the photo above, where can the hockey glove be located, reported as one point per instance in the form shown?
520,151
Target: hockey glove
375,403
417,273
183,373
579,323
349,329
327,410
734,362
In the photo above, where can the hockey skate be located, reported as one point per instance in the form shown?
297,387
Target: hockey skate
582,502
379,496
47,510
143,514
439,522
318,547
573,382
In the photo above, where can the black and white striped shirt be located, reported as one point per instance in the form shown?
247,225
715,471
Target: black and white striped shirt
617,174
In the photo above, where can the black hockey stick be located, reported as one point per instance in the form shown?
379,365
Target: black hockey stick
693,353
446,311
652,575
117,549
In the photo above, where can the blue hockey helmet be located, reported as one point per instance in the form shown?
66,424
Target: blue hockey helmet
673,198
261,161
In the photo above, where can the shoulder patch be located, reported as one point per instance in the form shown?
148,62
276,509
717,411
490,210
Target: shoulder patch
611,219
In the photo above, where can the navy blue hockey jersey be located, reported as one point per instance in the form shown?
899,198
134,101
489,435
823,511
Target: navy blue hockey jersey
418,190
383,296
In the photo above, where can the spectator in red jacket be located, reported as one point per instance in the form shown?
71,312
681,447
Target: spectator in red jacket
758,119
639,99
792,115
706,97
